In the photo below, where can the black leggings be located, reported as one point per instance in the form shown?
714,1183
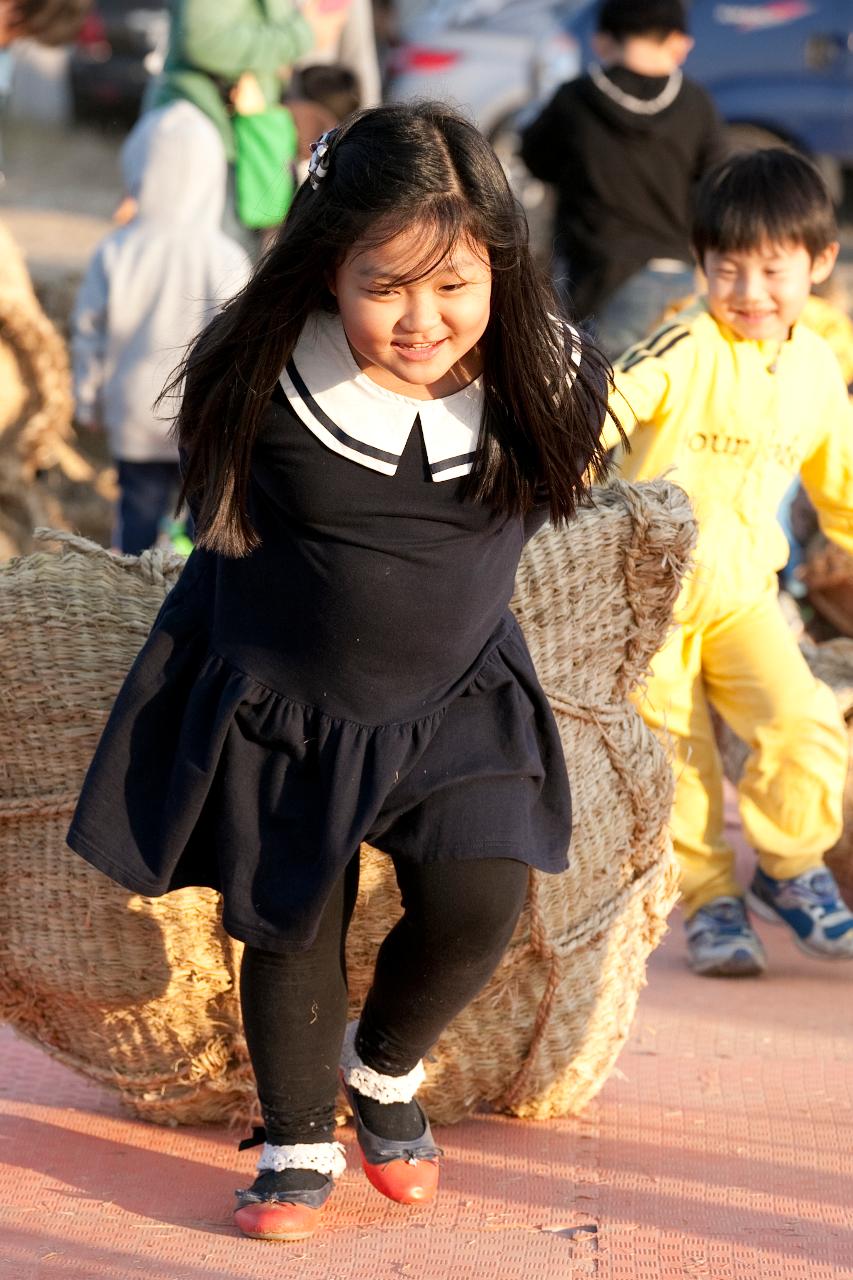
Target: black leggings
458,918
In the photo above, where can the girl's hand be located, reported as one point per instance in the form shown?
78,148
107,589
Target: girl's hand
247,96
327,19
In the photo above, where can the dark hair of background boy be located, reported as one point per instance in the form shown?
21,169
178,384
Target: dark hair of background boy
759,198
332,86
622,19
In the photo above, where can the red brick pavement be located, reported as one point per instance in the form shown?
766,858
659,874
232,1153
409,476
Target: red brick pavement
719,1149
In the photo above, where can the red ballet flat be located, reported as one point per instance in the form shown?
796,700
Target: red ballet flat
266,1213
406,1181
274,1220
405,1171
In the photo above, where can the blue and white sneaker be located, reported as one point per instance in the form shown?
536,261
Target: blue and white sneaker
811,905
722,943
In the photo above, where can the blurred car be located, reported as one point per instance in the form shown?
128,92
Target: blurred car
121,45
777,69
489,56
492,58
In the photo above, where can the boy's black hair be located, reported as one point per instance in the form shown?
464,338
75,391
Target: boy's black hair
333,86
395,169
622,19
773,196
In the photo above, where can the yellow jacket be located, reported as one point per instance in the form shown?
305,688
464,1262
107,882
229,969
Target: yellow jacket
835,327
733,422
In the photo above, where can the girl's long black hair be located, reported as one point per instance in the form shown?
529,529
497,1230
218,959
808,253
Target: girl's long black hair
391,168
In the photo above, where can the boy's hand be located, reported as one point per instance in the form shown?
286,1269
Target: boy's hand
247,96
125,211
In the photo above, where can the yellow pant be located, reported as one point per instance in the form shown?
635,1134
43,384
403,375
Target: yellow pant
749,666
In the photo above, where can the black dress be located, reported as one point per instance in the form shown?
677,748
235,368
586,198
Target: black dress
357,677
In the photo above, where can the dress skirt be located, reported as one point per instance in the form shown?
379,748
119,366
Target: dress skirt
206,776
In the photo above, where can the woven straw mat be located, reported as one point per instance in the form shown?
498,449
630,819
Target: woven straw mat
140,993
831,662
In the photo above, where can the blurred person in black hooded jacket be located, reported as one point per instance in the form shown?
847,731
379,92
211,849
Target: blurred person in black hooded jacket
624,145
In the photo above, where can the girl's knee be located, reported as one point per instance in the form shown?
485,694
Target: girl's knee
468,906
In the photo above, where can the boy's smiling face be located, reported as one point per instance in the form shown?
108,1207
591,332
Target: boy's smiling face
759,293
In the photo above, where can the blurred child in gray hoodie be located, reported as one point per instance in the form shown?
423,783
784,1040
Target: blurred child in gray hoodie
151,286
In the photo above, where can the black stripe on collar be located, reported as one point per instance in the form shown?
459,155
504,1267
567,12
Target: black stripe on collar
358,446
461,459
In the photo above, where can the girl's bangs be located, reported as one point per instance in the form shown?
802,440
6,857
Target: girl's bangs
444,225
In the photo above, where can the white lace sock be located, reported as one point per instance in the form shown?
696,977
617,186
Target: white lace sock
386,1104
328,1158
373,1084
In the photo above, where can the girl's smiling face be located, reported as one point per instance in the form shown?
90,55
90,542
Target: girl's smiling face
759,293
418,338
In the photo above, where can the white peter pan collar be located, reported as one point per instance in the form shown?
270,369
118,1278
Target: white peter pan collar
364,422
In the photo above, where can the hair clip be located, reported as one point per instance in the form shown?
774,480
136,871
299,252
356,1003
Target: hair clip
318,165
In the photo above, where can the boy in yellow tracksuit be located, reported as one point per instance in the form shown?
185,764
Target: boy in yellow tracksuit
734,399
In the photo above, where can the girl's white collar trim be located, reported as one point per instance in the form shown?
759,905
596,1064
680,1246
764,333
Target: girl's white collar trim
368,424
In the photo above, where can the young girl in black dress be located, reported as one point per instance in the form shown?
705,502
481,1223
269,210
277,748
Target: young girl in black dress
369,431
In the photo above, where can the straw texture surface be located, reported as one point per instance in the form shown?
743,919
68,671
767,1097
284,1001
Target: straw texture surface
141,993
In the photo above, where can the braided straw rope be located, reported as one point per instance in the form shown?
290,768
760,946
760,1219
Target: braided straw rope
13,268
43,476
40,435
35,410
140,993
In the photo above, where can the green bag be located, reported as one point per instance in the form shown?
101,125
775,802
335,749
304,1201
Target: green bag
266,151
